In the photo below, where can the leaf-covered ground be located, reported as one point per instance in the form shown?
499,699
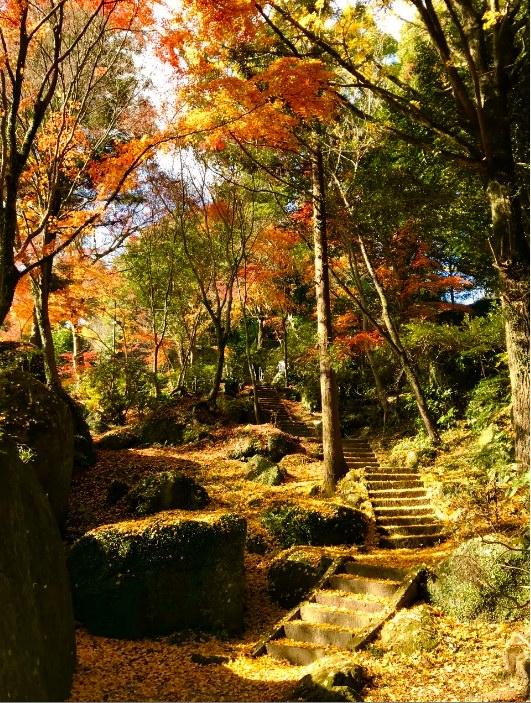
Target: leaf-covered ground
466,665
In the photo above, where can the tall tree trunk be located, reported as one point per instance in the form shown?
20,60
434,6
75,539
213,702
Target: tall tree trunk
216,383
334,466
409,371
41,296
285,350
155,369
511,251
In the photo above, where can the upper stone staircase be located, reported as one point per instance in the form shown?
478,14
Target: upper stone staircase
404,515
274,410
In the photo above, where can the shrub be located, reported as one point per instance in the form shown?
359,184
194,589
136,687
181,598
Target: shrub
486,577
166,490
291,525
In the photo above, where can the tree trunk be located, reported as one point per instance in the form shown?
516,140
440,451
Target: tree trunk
334,466
155,369
511,260
216,383
285,350
397,347
41,296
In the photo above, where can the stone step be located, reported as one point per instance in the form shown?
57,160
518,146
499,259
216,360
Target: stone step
393,485
394,501
412,541
374,571
332,635
395,470
337,599
296,652
409,530
408,509
409,519
381,476
355,584
322,614
390,493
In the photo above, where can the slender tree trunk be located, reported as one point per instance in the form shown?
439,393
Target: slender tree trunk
216,383
285,350
155,369
75,352
407,366
41,296
334,466
35,337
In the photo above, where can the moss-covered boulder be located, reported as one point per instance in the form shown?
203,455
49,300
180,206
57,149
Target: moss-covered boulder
37,645
162,430
271,443
333,525
353,491
410,631
485,577
337,677
292,575
263,470
166,490
41,424
119,438
159,575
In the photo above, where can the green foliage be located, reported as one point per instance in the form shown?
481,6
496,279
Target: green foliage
413,451
62,340
488,401
114,386
486,577
291,525
166,490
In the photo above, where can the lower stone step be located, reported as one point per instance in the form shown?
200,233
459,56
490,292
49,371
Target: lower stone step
411,542
427,518
409,530
354,584
399,476
322,614
336,599
400,501
375,485
332,635
374,571
391,508
296,652
381,493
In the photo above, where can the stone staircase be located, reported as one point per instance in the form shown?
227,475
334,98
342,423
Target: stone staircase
275,411
344,612
404,515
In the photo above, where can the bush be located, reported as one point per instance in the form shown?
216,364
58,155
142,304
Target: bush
413,451
486,578
114,386
166,490
291,576
291,525
488,401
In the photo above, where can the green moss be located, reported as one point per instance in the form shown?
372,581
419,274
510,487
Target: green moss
291,525
160,577
263,470
485,578
166,490
291,576
119,438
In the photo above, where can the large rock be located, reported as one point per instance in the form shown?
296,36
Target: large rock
166,490
274,444
159,575
335,524
411,630
263,470
119,438
37,646
294,573
337,677
486,577
41,423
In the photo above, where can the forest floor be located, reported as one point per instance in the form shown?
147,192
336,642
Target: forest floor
466,665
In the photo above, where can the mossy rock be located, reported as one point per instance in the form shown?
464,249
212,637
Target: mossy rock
410,631
246,447
195,433
37,643
485,577
293,574
166,490
238,410
274,445
257,543
263,470
352,489
280,445
117,489
337,524
160,575
161,430
41,423
337,677
119,438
